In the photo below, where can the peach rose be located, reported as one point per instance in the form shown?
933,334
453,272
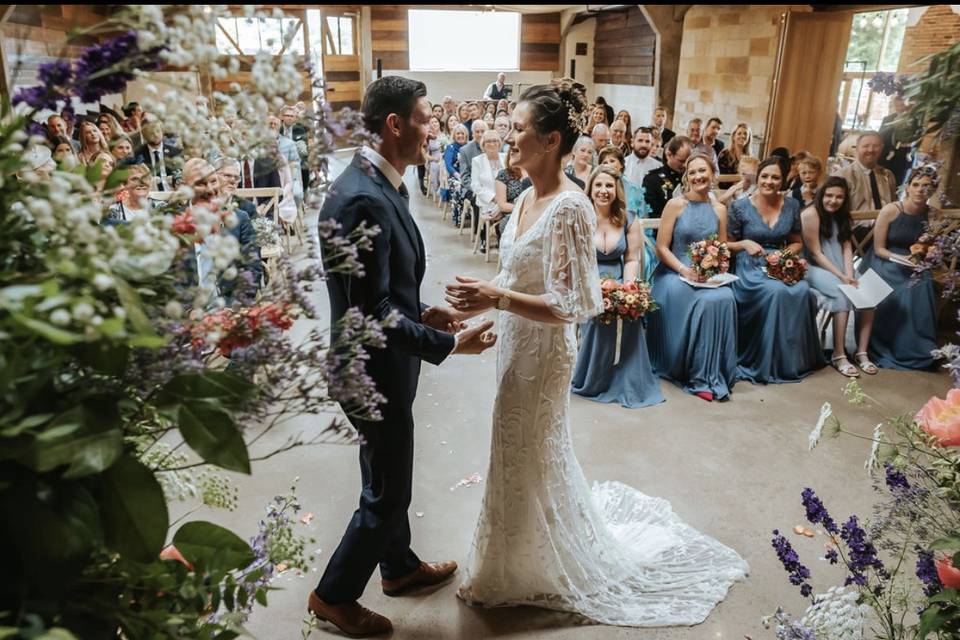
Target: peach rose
941,418
948,574
631,287
918,249
608,285
708,262
713,250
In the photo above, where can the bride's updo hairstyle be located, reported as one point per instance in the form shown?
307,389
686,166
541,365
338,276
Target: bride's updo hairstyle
558,106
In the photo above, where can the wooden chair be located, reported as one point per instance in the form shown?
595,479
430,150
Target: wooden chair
467,208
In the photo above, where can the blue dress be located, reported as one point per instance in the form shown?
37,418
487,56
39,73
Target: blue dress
693,337
905,328
631,382
637,204
777,323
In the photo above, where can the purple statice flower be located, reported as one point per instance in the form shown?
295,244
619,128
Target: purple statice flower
54,78
896,480
863,555
791,563
816,512
35,128
927,572
105,68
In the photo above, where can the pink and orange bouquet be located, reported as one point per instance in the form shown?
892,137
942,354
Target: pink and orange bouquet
625,301
709,257
925,251
229,329
786,266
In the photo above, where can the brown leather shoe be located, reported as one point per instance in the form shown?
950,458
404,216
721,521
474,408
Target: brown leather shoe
352,618
427,574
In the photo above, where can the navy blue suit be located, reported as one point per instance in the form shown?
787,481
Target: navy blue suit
379,532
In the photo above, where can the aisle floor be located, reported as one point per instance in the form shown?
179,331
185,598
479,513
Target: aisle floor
733,470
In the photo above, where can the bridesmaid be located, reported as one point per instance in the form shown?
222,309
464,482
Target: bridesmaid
905,329
636,204
618,240
827,237
693,337
777,323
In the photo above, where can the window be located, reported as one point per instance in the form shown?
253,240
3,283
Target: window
338,37
464,40
251,36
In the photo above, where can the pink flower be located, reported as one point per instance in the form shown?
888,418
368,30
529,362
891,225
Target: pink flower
941,418
714,250
607,304
948,574
789,264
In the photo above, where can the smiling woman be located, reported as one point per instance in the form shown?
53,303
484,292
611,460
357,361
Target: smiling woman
464,40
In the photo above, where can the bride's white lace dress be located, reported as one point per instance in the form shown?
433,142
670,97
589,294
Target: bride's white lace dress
544,538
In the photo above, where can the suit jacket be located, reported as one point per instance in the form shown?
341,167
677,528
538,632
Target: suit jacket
665,136
393,271
249,260
171,157
468,152
658,187
861,198
246,206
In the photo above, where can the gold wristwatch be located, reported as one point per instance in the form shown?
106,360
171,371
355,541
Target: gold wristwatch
503,302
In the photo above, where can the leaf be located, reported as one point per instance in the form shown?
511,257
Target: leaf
116,178
130,300
950,542
931,620
214,435
230,390
47,330
86,443
134,510
29,422
947,595
213,547
261,596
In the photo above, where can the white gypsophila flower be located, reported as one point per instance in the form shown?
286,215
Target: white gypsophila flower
815,435
231,220
230,273
119,312
173,309
60,317
835,615
83,311
102,281
874,448
96,321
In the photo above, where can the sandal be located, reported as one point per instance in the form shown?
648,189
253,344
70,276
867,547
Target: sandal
845,369
863,361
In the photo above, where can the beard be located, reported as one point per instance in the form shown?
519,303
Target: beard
642,153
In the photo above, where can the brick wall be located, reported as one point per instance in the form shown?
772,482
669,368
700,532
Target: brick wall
938,29
727,62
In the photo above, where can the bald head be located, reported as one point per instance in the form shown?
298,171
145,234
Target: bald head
600,136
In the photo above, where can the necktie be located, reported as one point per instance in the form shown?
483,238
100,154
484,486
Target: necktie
247,175
875,191
404,192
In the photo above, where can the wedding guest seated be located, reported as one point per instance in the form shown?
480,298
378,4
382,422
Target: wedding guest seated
728,160
228,172
579,170
792,181
434,155
510,184
809,176
134,201
598,115
64,153
660,125
693,337
633,192
92,143
659,184
656,149
905,329
777,325
871,186
107,165
747,168
640,161
122,149
451,161
467,154
618,137
827,238
485,168
630,381
624,116
600,134
109,127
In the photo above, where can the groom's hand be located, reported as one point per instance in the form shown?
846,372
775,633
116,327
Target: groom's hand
443,319
476,339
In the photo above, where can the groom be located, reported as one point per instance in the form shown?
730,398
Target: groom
371,190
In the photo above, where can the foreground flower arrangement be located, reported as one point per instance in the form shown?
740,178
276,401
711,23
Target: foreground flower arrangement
124,387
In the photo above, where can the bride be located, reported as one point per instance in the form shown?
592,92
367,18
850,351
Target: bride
544,538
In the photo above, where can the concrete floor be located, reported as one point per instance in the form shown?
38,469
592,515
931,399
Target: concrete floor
733,470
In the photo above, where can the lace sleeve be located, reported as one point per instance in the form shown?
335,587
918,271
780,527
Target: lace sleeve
571,275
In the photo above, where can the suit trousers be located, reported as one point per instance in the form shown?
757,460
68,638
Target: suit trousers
379,532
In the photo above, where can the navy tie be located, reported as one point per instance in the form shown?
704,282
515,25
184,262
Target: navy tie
404,192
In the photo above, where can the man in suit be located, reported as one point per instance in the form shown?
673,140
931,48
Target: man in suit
470,151
659,184
660,124
371,191
298,133
164,159
228,170
871,186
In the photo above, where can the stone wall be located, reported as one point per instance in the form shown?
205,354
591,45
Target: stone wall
938,29
727,62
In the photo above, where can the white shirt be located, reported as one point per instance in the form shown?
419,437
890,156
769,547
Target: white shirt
388,170
636,169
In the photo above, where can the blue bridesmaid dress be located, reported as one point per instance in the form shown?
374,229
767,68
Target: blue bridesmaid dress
631,382
777,323
905,328
693,336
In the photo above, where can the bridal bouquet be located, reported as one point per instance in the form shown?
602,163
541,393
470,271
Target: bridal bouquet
625,301
785,266
709,257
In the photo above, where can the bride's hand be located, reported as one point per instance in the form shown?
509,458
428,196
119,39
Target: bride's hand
470,295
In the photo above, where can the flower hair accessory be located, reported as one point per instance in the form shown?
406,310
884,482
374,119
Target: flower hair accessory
930,170
577,121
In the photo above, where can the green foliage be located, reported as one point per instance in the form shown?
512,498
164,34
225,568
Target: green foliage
935,94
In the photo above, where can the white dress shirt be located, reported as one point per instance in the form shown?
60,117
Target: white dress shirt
636,169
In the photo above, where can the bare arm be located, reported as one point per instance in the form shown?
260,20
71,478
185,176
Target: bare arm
671,213
794,243
730,194
810,225
631,261
887,215
848,258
